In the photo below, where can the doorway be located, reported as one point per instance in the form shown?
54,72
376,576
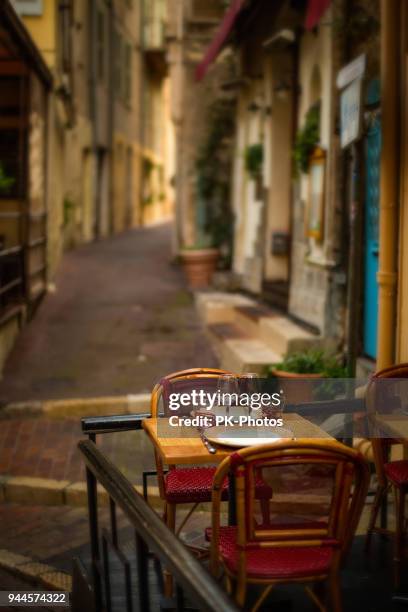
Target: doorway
371,214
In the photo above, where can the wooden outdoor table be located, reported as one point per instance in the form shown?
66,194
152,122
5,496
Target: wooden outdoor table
190,450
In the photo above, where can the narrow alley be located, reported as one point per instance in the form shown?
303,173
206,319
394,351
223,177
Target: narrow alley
119,317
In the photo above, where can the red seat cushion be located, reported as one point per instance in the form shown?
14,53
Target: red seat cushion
192,485
397,472
275,563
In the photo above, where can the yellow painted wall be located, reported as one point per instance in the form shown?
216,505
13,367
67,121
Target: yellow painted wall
43,31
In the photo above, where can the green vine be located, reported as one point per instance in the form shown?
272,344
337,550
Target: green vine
307,139
254,156
6,182
213,169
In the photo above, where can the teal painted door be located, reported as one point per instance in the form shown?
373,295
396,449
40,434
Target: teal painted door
371,237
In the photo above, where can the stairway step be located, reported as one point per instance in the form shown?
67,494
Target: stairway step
239,352
247,317
219,307
226,331
284,336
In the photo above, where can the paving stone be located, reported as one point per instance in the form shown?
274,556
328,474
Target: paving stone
57,580
35,490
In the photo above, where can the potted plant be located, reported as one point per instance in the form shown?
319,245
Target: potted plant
214,219
199,262
305,367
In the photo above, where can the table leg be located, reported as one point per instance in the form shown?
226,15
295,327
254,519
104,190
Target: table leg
232,504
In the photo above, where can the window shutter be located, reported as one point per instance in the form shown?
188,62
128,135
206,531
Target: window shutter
28,7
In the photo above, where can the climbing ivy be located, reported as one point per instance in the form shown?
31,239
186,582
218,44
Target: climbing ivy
307,139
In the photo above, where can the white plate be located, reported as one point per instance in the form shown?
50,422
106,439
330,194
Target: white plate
255,436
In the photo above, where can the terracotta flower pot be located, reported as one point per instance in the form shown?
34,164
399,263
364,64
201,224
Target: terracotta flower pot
296,393
199,266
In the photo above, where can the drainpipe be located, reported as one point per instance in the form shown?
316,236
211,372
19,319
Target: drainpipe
142,106
111,114
388,222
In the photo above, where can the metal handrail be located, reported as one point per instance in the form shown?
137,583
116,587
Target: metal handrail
112,423
188,573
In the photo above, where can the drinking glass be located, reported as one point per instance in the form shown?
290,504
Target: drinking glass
228,389
249,383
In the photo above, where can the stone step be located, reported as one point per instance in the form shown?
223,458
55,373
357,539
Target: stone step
219,307
238,323
248,316
238,351
283,335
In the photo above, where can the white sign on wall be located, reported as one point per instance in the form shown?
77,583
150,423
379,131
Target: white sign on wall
351,113
354,70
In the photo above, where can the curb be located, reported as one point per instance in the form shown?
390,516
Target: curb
61,409
35,572
48,492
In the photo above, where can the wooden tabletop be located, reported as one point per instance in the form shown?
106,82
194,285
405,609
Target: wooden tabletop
190,450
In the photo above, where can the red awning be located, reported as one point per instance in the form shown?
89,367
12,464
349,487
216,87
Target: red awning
219,39
315,12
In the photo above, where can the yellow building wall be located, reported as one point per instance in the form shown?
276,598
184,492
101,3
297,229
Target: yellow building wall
43,31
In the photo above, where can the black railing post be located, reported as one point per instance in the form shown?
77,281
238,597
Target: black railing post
108,596
94,536
142,553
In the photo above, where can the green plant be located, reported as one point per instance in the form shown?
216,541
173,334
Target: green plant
213,171
312,361
307,139
6,182
204,241
254,156
359,25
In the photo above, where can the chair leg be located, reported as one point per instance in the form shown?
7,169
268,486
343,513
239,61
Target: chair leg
374,514
399,533
241,583
170,513
240,594
335,592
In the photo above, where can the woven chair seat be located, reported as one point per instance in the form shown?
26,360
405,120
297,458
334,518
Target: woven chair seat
191,485
275,563
397,472
194,485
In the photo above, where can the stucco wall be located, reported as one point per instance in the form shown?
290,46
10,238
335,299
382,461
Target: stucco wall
310,267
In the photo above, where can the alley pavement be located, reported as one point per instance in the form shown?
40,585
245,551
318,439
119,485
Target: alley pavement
120,318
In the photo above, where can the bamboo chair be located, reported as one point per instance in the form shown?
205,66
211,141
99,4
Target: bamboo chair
190,485
391,475
310,552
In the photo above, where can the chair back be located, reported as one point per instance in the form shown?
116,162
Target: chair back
343,475
183,381
382,396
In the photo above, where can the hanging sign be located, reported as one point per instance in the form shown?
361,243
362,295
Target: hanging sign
350,79
351,113
352,71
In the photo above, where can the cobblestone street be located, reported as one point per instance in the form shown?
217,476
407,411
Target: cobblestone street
119,319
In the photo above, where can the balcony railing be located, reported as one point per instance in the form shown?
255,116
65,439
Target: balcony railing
155,546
